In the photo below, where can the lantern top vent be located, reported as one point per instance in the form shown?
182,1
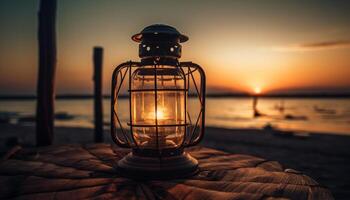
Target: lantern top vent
159,44
160,31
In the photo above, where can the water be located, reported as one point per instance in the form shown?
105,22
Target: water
314,115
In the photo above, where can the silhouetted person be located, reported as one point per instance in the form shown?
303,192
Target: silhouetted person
255,106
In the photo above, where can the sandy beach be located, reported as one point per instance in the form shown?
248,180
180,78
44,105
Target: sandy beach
324,157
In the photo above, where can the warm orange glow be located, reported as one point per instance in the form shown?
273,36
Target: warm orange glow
240,67
257,90
236,57
160,114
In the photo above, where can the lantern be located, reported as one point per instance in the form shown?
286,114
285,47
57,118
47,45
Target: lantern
159,125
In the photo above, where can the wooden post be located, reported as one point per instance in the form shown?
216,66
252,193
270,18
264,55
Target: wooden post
46,75
98,109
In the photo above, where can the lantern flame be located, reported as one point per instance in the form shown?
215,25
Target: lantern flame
160,114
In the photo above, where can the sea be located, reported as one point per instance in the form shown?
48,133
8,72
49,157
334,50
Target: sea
321,115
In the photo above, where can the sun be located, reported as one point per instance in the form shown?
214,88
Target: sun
257,90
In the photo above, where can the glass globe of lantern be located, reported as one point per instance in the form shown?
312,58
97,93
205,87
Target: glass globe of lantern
161,111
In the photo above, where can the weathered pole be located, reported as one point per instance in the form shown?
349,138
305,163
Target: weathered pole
46,75
97,78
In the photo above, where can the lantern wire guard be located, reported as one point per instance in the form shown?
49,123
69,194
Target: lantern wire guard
159,126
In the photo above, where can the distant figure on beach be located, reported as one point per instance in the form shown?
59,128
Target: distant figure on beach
255,102
255,107
257,91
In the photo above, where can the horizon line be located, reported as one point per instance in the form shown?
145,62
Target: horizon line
210,95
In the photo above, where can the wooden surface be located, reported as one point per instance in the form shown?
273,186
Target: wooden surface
80,172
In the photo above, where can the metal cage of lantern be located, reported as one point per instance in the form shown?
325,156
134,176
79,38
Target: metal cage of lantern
190,137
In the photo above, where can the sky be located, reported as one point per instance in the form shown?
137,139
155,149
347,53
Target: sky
243,46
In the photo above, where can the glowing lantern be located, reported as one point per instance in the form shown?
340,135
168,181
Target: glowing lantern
159,125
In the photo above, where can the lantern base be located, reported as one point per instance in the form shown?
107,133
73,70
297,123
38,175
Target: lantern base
141,167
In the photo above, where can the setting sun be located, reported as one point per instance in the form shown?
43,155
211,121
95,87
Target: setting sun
257,90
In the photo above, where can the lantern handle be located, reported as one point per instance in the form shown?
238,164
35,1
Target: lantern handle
202,90
116,139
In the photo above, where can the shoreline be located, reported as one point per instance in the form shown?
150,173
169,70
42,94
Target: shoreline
212,95
324,157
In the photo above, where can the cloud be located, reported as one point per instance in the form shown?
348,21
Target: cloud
327,44
316,46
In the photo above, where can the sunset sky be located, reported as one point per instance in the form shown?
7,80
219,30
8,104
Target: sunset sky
288,46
